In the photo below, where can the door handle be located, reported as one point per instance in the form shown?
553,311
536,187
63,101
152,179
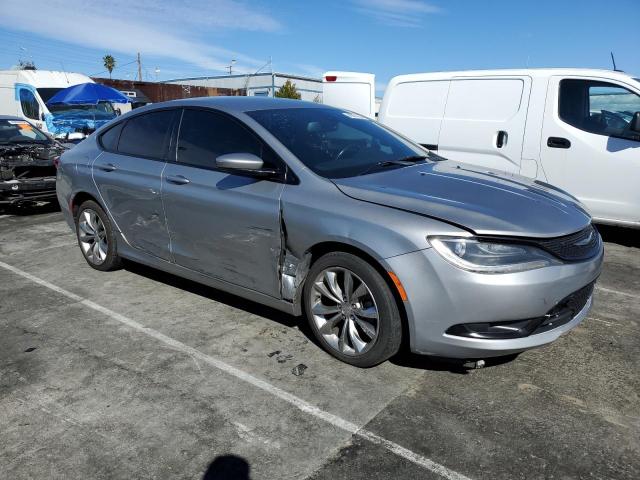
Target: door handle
178,179
501,139
108,167
558,142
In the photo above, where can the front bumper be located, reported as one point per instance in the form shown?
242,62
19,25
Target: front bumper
441,295
27,190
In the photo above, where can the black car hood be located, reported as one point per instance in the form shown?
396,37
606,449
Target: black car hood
480,200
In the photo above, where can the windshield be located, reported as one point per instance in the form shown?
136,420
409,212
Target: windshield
334,143
101,110
20,131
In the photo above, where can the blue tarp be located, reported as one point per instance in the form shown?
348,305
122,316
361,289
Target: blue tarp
87,94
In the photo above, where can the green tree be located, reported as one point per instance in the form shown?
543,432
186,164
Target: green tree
109,63
288,90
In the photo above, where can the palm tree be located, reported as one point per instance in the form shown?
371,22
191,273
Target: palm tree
109,63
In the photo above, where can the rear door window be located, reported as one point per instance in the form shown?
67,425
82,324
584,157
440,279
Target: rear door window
205,135
147,135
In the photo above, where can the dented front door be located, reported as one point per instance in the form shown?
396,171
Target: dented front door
224,226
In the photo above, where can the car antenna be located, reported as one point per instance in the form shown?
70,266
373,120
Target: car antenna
613,60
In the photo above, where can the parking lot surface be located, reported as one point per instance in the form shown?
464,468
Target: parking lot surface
140,374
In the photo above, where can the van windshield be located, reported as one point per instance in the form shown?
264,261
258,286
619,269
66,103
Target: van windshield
100,111
335,143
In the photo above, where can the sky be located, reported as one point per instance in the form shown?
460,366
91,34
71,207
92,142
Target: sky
185,38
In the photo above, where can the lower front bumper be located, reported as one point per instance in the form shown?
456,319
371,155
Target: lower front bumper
27,190
441,295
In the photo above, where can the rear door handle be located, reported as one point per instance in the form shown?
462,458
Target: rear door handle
501,139
178,179
558,142
108,167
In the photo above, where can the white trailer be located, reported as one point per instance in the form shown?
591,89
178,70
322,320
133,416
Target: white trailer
577,129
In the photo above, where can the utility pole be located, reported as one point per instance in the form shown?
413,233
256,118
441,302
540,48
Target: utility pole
139,68
230,67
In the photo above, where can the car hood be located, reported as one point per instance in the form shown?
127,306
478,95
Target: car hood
483,201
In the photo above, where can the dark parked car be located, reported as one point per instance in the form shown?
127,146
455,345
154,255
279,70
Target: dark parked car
27,162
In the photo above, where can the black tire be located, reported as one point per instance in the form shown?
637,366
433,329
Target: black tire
389,322
112,260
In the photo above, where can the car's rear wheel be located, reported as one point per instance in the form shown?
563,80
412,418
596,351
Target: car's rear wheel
96,237
352,311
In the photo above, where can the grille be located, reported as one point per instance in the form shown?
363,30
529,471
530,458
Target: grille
578,246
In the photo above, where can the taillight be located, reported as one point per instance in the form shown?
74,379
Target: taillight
331,78
56,162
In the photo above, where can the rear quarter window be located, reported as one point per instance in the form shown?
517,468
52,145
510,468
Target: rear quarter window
109,139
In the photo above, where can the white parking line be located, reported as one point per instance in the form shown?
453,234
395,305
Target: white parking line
297,402
617,292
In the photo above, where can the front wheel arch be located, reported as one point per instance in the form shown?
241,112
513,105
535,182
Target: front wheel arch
320,249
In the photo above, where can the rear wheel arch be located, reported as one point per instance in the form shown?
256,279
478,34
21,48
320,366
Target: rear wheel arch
78,199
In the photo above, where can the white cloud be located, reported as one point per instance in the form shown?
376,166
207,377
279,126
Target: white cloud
397,13
166,29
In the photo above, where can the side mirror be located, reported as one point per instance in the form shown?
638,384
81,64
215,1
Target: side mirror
634,126
244,163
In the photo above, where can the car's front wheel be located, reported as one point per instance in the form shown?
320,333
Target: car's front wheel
352,311
96,237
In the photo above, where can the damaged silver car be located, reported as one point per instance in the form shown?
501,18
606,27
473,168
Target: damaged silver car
315,210
27,163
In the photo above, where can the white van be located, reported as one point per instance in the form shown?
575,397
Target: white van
24,93
577,129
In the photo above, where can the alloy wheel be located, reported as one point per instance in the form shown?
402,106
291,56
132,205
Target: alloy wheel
344,311
93,237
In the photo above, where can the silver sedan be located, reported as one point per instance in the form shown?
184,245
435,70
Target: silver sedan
317,211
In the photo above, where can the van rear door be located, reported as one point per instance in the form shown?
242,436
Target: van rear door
350,91
484,121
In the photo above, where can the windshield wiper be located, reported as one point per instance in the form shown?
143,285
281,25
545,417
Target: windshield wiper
403,162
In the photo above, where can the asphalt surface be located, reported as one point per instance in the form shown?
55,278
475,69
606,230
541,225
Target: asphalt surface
140,374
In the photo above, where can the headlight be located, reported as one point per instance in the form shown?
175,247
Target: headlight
491,257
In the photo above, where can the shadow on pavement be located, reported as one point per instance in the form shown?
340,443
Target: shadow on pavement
30,209
628,237
228,467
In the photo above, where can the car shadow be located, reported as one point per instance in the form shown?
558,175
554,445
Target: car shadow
214,294
403,359
27,209
627,237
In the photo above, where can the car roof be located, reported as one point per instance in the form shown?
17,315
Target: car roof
235,105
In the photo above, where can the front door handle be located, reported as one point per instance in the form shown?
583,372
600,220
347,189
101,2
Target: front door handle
178,179
501,139
558,142
107,167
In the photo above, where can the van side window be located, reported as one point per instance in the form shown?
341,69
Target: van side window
109,139
147,135
205,135
29,104
597,107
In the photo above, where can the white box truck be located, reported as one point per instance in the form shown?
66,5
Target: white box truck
578,129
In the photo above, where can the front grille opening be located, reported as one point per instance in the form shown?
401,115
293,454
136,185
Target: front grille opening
578,246
561,314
